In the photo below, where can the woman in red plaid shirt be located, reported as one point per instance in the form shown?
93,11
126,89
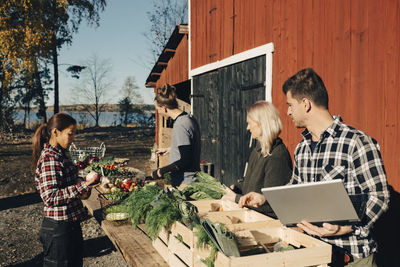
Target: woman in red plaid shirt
56,179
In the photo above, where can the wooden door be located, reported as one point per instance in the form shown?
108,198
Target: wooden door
220,99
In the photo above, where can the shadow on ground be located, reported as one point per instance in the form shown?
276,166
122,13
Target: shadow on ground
19,201
37,261
95,247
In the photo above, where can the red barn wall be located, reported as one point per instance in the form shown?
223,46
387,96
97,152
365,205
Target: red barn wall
177,69
353,45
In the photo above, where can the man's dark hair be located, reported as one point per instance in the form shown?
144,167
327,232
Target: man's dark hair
307,84
166,96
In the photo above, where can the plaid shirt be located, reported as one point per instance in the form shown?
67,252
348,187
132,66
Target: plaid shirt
350,155
56,180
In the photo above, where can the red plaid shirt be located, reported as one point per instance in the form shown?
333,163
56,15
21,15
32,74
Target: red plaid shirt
56,179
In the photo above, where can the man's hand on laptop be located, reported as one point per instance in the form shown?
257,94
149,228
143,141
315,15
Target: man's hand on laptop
327,229
252,199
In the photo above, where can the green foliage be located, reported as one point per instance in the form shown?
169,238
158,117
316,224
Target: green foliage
167,178
117,209
180,238
102,166
162,215
208,187
75,70
202,240
116,195
138,203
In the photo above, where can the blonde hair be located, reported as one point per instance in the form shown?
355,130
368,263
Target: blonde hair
267,117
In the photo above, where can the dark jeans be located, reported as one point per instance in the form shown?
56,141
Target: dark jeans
62,243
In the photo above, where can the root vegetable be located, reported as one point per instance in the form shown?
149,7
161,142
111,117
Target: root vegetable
92,177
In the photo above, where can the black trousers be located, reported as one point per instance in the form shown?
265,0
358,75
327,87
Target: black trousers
62,243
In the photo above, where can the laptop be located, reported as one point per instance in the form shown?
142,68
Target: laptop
315,202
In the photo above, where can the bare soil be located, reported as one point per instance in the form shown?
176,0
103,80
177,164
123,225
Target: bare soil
21,206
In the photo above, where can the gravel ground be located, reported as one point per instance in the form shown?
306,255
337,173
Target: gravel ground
24,249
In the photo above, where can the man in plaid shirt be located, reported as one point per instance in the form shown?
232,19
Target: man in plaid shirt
330,150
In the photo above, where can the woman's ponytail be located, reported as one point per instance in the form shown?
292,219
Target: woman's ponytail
41,137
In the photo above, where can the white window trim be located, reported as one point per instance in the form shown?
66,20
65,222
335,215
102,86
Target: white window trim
266,50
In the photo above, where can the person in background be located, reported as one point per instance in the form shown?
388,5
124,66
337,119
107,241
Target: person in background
56,179
184,153
331,150
269,162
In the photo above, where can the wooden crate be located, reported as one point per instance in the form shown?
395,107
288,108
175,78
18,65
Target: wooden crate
173,251
215,205
179,251
236,216
183,251
309,251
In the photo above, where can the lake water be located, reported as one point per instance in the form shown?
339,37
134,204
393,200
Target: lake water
105,119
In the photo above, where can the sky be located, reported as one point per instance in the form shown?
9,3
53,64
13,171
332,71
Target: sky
120,39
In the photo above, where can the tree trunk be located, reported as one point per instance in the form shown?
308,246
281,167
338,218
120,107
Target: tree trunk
1,108
55,64
126,118
40,91
97,115
25,111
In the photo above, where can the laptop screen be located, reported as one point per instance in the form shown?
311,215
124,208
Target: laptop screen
316,202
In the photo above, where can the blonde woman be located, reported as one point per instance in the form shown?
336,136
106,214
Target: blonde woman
269,163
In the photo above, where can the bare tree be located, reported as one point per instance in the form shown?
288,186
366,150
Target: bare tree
130,95
130,90
94,86
163,17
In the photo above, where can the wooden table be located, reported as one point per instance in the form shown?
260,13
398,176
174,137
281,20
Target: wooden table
133,244
93,205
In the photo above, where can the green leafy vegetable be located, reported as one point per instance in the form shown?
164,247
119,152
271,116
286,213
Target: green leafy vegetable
116,195
208,187
120,216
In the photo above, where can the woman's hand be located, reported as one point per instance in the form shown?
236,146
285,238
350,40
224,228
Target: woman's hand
252,199
327,229
87,194
229,195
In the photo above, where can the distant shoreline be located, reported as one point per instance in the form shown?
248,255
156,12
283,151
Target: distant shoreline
107,108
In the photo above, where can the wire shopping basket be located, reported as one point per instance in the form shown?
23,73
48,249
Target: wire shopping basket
79,154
